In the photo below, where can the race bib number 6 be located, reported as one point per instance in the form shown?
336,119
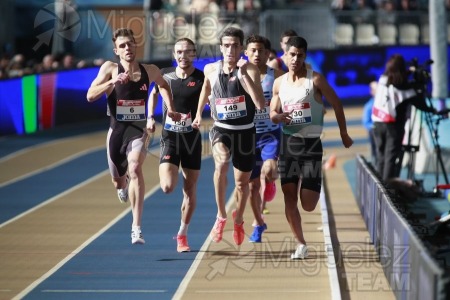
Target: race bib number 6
130,110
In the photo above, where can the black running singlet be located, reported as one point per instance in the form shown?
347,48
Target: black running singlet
127,102
186,94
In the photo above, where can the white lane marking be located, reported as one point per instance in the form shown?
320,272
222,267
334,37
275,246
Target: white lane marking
104,291
33,285
56,197
55,164
258,291
332,270
197,260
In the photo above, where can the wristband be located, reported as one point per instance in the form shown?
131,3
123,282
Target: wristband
150,117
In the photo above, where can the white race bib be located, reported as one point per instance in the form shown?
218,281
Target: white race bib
231,108
184,125
262,114
130,110
300,113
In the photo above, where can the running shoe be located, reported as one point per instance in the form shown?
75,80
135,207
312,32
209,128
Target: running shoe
270,191
255,223
123,193
217,230
182,244
257,233
300,253
137,237
238,233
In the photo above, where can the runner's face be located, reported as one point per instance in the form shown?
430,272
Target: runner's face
125,48
231,49
184,54
296,58
257,54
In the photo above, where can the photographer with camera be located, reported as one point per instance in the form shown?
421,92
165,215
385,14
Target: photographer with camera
393,96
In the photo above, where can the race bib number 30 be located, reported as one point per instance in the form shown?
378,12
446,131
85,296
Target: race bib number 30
130,110
300,113
231,108
184,125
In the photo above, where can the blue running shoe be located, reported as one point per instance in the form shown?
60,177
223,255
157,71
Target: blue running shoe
257,233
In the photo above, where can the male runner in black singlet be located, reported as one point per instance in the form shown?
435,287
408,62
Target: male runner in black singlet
180,142
126,85
233,88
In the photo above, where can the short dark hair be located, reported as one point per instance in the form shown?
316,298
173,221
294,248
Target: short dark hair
255,38
289,32
123,32
297,42
233,32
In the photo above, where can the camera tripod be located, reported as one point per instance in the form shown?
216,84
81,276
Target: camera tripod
432,121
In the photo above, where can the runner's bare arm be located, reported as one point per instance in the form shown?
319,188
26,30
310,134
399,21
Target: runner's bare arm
252,79
164,90
204,95
103,83
276,113
330,95
152,101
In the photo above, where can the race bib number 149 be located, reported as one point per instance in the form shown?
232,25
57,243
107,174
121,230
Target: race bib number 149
231,108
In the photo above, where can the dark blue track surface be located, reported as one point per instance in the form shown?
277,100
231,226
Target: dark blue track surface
11,144
45,185
111,268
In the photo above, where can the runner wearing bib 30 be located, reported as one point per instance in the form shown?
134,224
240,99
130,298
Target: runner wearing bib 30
297,103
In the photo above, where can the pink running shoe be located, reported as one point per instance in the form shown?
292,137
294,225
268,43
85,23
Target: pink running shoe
217,230
238,233
270,191
182,244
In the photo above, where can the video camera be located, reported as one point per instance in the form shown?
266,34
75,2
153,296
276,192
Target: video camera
420,73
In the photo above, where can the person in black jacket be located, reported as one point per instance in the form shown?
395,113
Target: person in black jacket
393,96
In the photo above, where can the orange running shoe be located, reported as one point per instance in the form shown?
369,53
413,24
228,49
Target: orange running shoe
238,233
182,244
270,191
217,230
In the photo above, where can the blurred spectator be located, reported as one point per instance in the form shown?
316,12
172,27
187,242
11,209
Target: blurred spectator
249,12
405,11
365,12
17,67
341,4
204,6
387,13
4,62
68,62
228,6
407,5
48,64
341,9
